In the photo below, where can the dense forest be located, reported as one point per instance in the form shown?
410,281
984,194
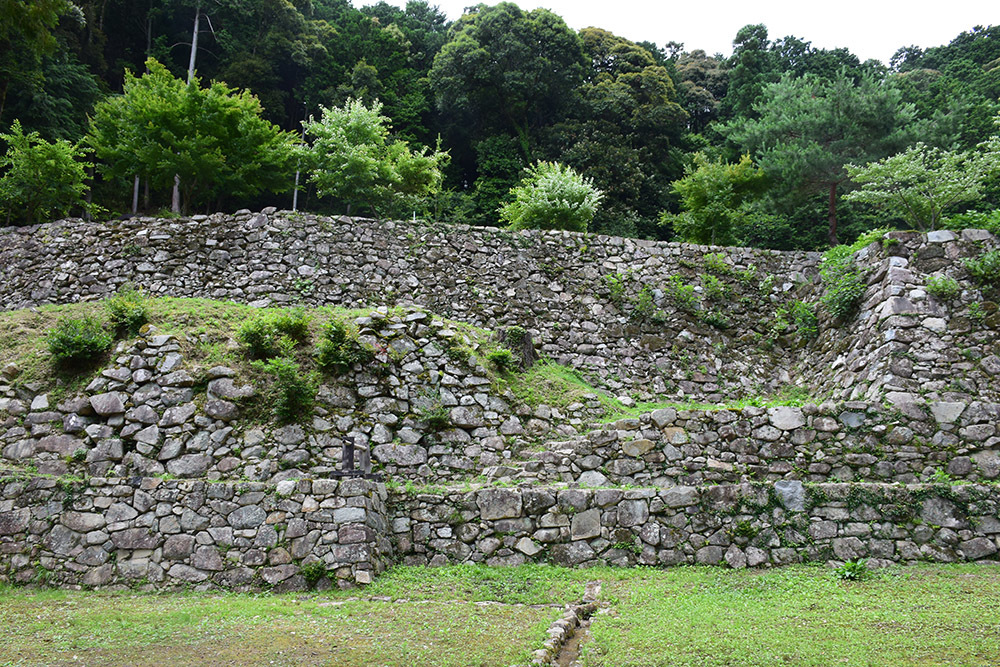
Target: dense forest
198,105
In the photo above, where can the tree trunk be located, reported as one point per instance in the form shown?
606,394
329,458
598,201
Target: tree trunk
518,341
832,235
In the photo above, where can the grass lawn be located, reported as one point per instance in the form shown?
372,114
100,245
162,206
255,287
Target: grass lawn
471,615
917,615
449,616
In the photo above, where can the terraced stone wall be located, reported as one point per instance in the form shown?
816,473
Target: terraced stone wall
853,441
601,304
747,525
162,534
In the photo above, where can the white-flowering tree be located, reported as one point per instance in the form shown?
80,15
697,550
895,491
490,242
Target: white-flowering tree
921,183
552,196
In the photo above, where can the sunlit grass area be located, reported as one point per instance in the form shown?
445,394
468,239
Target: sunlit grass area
475,615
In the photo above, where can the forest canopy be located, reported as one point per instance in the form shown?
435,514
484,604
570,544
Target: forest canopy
201,105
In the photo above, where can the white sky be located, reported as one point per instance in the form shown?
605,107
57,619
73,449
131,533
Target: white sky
869,28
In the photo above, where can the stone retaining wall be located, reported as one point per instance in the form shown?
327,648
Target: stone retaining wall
748,525
854,441
170,534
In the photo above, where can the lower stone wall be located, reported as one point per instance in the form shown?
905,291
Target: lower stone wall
846,442
746,525
169,534
157,534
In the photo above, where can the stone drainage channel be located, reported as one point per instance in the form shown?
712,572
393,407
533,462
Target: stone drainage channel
567,634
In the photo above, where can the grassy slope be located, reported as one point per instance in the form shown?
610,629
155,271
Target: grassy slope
410,617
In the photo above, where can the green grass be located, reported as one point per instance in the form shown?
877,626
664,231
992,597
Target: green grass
919,615
475,615
438,622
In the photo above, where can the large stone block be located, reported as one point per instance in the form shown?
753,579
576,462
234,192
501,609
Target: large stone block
499,504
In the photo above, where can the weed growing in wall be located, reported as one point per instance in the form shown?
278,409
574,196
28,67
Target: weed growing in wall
985,269
944,288
843,286
294,391
339,349
273,333
682,295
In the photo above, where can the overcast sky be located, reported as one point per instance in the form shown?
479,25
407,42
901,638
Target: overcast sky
869,28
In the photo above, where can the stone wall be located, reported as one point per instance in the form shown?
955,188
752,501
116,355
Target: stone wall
748,525
854,441
168,534
155,411
600,304
556,284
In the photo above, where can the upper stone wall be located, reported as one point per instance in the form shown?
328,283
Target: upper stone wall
607,306
597,303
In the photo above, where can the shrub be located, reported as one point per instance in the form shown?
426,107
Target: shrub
682,295
127,310
552,196
716,319
804,316
502,359
985,269
943,287
273,333
339,349
78,341
974,220
843,285
313,572
716,263
295,391
714,289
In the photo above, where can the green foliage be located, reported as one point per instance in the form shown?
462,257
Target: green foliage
682,294
294,390
842,285
713,195
272,333
354,161
852,570
127,310
502,359
41,180
713,288
805,129
214,139
313,572
339,349
715,262
552,196
78,341
921,183
985,268
715,318
801,316
616,288
943,287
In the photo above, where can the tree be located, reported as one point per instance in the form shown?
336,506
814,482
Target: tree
506,71
624,132
214,139
41,180
920,183
354,161
552,196
712,196
25,36
809,128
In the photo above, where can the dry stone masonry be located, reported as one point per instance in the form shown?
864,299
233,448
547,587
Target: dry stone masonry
157,474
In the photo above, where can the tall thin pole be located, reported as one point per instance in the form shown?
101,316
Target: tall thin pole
175,197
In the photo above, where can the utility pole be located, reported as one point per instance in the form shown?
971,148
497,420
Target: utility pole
175,197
